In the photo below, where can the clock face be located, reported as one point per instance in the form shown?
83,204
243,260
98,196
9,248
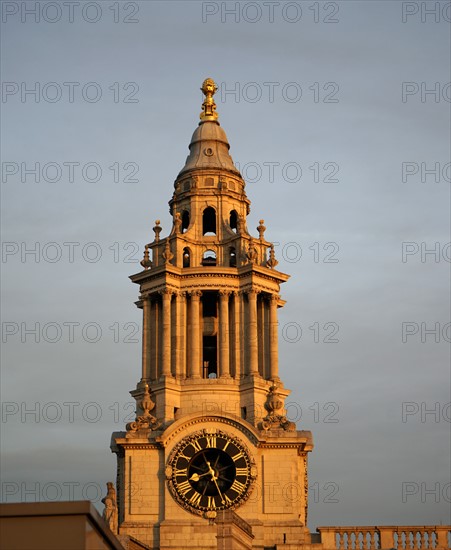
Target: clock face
210,471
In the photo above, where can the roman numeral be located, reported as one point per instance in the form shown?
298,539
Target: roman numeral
241,472
227,500
226,445
196,445
181,472
211,502
237,456
195,499
181,455
238,487
211,441
184,487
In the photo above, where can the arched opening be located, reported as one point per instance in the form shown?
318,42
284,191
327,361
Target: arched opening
233,221
186,257
232,257
185,220
209,221
209,258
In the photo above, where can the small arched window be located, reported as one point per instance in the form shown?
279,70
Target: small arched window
185,220
233,220
209,258
209,221
232,257
186,257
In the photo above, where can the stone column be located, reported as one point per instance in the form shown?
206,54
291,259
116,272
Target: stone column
224,356
146,338
273,338
166,344
253,334
180,307
195,366
154,349
238,330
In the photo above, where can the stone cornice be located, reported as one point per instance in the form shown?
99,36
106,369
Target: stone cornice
134,444
255,271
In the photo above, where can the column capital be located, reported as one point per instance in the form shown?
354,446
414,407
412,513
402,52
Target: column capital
223,293
274,297
253,292
166,291
195,293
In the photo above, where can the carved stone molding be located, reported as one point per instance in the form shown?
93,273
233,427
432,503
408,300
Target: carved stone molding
217,420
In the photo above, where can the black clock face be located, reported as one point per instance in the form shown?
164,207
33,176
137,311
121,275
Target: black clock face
211,471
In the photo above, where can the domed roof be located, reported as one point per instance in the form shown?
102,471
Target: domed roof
209,147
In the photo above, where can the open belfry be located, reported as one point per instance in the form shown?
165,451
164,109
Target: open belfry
211,460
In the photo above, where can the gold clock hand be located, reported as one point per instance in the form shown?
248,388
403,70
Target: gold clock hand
213,477
196,476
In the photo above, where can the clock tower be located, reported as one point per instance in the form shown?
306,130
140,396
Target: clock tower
211,449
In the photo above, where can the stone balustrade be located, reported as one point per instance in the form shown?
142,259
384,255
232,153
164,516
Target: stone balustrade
410,537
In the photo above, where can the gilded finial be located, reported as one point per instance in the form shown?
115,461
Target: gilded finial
209,88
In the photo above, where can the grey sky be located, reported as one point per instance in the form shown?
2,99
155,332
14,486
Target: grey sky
361,463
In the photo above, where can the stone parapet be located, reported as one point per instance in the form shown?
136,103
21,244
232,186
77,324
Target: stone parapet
403,537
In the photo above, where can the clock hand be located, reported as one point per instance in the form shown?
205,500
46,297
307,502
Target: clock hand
213,477
196,476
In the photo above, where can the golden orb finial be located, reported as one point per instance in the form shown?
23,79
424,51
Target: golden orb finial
209,88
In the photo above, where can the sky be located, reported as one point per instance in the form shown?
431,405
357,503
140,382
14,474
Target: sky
338,118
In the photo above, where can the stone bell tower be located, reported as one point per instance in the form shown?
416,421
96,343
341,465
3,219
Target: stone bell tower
211,440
